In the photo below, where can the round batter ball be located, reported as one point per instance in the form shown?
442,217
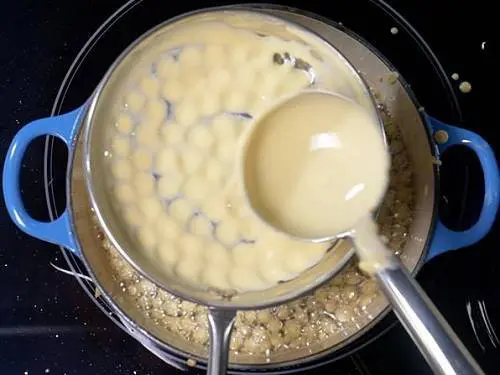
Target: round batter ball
170,185
134,101
124,123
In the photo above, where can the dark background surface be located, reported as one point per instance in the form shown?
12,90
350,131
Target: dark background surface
49,325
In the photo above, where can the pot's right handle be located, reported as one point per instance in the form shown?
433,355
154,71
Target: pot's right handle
59,230
445,239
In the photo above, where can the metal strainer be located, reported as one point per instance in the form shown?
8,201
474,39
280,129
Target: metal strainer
222,306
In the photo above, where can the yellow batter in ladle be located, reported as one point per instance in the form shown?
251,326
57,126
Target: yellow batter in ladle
315,166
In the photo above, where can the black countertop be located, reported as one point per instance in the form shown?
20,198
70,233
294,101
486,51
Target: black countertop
49,325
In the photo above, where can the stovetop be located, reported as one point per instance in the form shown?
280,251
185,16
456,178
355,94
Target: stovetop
47,322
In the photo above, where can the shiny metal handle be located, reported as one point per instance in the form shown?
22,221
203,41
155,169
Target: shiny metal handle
442,349
220,324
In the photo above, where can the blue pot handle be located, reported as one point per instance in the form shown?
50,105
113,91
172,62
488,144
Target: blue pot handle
58,231
445,239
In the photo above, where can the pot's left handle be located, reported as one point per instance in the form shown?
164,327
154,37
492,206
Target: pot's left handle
446,239
59,230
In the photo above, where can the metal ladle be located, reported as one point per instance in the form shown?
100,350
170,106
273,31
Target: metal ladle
440,346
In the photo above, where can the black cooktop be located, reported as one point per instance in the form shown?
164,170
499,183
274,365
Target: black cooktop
47,322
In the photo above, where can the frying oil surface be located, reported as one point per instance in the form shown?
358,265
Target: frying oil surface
173,150
315,165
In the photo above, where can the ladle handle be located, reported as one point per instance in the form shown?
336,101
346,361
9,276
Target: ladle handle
440,346
220,324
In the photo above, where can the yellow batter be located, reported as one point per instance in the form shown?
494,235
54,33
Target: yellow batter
174,143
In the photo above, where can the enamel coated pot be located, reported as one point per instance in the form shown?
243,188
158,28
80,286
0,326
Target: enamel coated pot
425,137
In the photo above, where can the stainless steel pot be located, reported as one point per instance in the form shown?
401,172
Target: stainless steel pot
74,229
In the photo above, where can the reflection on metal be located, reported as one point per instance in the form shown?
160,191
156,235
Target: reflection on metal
489,327
42,330
73,273
471,320
484,322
